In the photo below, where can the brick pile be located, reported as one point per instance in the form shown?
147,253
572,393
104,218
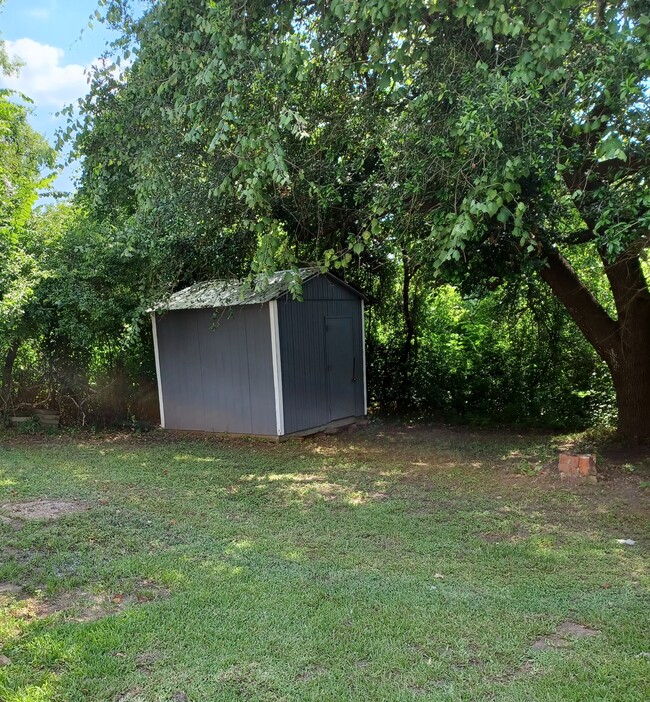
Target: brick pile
578,467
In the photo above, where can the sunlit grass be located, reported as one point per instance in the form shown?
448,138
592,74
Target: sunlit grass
399,564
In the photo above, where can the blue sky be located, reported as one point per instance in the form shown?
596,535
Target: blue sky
54,41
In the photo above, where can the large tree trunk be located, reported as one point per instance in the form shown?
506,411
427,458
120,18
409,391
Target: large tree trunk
632,384
623,343
7,375
629,360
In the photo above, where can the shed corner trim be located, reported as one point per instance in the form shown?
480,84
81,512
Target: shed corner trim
158,375
277,366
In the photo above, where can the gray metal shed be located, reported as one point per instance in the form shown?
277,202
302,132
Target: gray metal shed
234,359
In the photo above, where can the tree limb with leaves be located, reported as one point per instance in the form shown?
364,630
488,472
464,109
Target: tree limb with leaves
489,139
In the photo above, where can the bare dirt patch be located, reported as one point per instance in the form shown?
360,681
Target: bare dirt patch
311,672
563,636
12,523
133,694
145,662
42,509
526,670
81,605
19,555
10,589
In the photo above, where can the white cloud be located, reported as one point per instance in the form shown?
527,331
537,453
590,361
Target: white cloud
40,13
44,12
44,77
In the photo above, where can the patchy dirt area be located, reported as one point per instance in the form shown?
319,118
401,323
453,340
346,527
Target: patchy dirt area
10,589
311,672
78,605
146,662
526,670
11,523
40,510
563,636
133,694
18,555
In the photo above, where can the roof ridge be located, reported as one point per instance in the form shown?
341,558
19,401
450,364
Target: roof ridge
227,292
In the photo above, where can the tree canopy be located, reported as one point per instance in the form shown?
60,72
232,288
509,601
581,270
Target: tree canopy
25,159
479,140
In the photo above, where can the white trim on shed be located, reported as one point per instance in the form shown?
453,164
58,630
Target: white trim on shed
158,375
277,366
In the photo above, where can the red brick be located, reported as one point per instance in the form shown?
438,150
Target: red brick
587,465
573,466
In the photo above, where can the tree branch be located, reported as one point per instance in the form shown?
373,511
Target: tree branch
590,316
635,163
629,287
581,237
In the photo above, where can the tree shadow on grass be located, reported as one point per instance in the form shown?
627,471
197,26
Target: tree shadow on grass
310,557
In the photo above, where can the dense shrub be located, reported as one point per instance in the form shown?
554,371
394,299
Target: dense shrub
511,358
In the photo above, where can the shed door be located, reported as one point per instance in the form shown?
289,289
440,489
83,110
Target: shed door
342,366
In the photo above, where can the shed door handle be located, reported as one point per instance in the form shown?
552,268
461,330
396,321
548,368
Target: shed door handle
354,369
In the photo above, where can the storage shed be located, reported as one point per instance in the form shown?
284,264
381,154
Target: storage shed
234,359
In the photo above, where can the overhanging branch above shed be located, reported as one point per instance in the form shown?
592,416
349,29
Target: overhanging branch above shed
228,293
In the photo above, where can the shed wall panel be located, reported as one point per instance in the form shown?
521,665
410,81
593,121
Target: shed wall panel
323,288
260,371
303,353
216,370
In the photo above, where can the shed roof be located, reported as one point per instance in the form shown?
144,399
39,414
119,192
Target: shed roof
227,293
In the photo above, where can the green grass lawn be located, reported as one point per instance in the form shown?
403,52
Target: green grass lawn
394,563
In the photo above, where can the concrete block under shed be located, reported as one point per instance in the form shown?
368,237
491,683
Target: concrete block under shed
578,467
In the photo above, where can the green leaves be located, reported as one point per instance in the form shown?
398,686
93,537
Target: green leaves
352,127
26,161
611,147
